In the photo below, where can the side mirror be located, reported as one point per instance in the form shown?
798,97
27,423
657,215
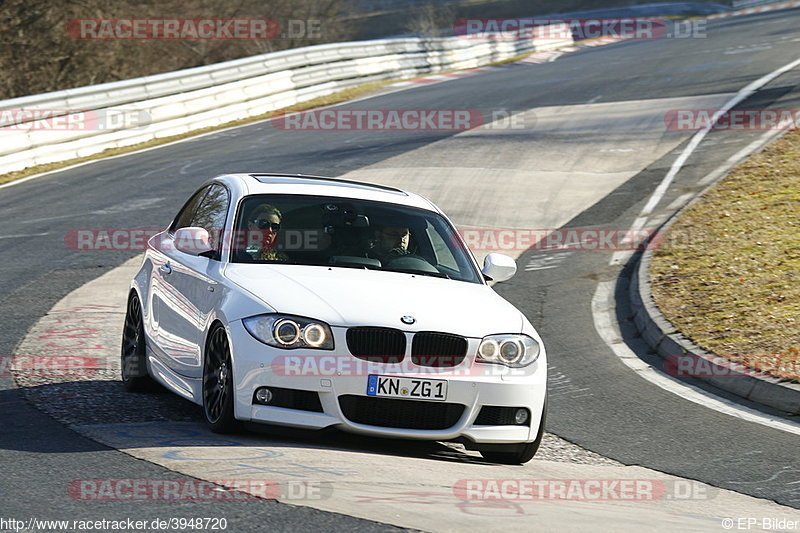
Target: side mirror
499,267
193,241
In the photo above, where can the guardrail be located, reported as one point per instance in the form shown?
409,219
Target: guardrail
178,102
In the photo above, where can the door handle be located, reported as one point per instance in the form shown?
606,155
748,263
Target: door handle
165,268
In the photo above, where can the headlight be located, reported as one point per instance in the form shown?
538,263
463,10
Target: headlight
511,350
290,332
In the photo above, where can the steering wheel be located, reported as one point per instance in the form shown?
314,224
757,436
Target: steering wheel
411,262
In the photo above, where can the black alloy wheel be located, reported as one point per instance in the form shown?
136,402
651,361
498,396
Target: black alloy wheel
218,383
134,351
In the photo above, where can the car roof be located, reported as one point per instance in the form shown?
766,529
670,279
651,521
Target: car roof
268,183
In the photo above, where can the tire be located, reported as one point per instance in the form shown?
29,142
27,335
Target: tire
516,454
133,351
218,383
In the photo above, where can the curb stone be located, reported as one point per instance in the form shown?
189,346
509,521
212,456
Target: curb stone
666,341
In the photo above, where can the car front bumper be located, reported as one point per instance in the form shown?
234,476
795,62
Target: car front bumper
336,374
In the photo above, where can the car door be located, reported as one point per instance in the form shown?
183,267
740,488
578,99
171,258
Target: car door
190,288
160,267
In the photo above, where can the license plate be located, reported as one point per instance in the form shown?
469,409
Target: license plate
413,388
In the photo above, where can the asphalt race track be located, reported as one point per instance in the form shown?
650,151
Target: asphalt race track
593,150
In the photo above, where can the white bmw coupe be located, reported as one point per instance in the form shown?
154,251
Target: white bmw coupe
317,302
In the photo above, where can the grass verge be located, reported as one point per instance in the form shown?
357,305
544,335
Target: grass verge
728,274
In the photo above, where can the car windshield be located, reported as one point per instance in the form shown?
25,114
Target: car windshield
348,233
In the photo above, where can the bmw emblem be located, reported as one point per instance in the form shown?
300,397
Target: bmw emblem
408,319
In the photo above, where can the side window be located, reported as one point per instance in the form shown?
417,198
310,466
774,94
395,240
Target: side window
212,212
184,218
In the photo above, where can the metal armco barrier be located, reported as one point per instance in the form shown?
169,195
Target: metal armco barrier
87,120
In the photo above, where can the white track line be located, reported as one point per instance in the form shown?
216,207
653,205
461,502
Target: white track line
603,305
676,167
744,152
742,95
603,313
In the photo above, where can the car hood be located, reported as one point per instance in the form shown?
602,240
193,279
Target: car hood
348,297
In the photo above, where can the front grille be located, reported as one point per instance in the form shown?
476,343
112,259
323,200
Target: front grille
302,400
377,345
491,415
430,348
405,414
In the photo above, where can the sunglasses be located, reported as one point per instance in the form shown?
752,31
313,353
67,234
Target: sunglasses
266,224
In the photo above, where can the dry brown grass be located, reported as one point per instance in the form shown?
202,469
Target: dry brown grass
728,276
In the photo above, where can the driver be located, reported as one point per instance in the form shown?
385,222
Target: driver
390,242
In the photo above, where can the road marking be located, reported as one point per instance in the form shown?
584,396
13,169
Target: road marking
748,49
743,153
611,337
634,241
677,166
742,95
711,177
185,168
679,202
21,235
603,313
131,205
547,262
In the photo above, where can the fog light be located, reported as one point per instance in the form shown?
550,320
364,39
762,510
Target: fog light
263,395
521,416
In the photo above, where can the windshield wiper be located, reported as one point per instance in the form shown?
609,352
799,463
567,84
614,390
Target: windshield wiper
358,266
418,272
